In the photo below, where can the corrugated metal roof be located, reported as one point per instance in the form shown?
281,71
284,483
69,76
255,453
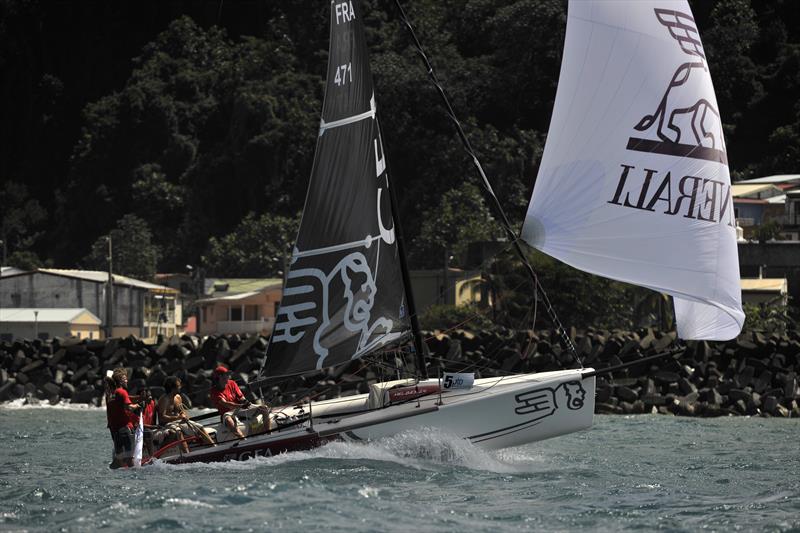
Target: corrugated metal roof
98,276
8,271
239,285
778,178
49,315
764,284
228,297
780,199
741,189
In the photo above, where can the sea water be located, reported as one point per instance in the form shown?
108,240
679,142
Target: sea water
644,472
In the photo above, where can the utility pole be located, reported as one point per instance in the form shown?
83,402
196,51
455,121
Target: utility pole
35,325
110,294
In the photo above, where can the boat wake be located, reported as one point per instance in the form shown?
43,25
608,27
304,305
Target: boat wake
423,449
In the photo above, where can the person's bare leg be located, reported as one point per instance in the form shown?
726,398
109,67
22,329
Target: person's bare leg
231,423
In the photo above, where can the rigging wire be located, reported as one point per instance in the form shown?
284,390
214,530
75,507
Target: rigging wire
514,238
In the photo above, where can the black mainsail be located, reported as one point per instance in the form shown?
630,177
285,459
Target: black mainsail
344,296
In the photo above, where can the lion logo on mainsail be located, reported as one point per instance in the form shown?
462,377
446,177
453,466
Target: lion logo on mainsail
684,123
357,283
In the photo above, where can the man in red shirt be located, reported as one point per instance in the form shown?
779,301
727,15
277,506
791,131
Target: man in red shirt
123,417
227,397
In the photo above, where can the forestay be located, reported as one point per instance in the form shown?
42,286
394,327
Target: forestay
344,294
634,181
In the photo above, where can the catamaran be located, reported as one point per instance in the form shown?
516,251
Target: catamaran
633,185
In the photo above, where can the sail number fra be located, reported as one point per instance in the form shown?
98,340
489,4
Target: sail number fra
344,74
344,12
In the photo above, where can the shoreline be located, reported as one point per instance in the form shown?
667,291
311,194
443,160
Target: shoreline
753,375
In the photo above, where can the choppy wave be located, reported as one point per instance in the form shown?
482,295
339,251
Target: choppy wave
642,473
24,403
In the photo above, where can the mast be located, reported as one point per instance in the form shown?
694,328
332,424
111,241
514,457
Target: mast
419,343
504,222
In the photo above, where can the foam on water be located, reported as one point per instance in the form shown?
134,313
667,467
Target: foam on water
21,404
422,449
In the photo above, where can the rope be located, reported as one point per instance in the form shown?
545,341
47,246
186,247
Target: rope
504,222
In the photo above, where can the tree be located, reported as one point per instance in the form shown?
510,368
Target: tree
579,299
21,221
24,260
460,218
259,246
133,251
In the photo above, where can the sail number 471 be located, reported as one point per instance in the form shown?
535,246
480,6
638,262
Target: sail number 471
344,74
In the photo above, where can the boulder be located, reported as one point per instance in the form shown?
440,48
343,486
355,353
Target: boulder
655,400
626,394
665,377
67,390
83,396
686,386
51,389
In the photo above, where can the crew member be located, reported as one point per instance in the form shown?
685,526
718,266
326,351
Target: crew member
172,413
123,417
227,397
154,435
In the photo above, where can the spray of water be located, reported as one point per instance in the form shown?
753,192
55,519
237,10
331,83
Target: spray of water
24,404
422,449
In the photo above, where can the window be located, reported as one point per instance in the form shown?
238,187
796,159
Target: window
236,314
251,312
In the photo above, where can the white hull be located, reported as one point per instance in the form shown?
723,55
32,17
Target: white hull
495,413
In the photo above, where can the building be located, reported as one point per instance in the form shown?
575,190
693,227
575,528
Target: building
765,291
239,305
776,259
768,199
461,287
142,309
755,204
29,323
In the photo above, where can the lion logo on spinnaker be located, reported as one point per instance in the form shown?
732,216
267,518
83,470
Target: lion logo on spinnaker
685,122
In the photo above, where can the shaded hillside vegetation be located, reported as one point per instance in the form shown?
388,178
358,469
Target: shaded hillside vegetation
194,123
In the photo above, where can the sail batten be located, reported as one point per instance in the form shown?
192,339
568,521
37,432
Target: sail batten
344,295
634,183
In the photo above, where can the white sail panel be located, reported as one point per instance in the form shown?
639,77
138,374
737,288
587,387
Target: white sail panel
634,182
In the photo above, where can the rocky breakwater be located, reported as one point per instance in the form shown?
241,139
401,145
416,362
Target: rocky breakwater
72,370
753,375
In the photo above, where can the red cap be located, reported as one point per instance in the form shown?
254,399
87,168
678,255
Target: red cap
220,370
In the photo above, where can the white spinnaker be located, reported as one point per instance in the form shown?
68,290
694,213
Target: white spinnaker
634,182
